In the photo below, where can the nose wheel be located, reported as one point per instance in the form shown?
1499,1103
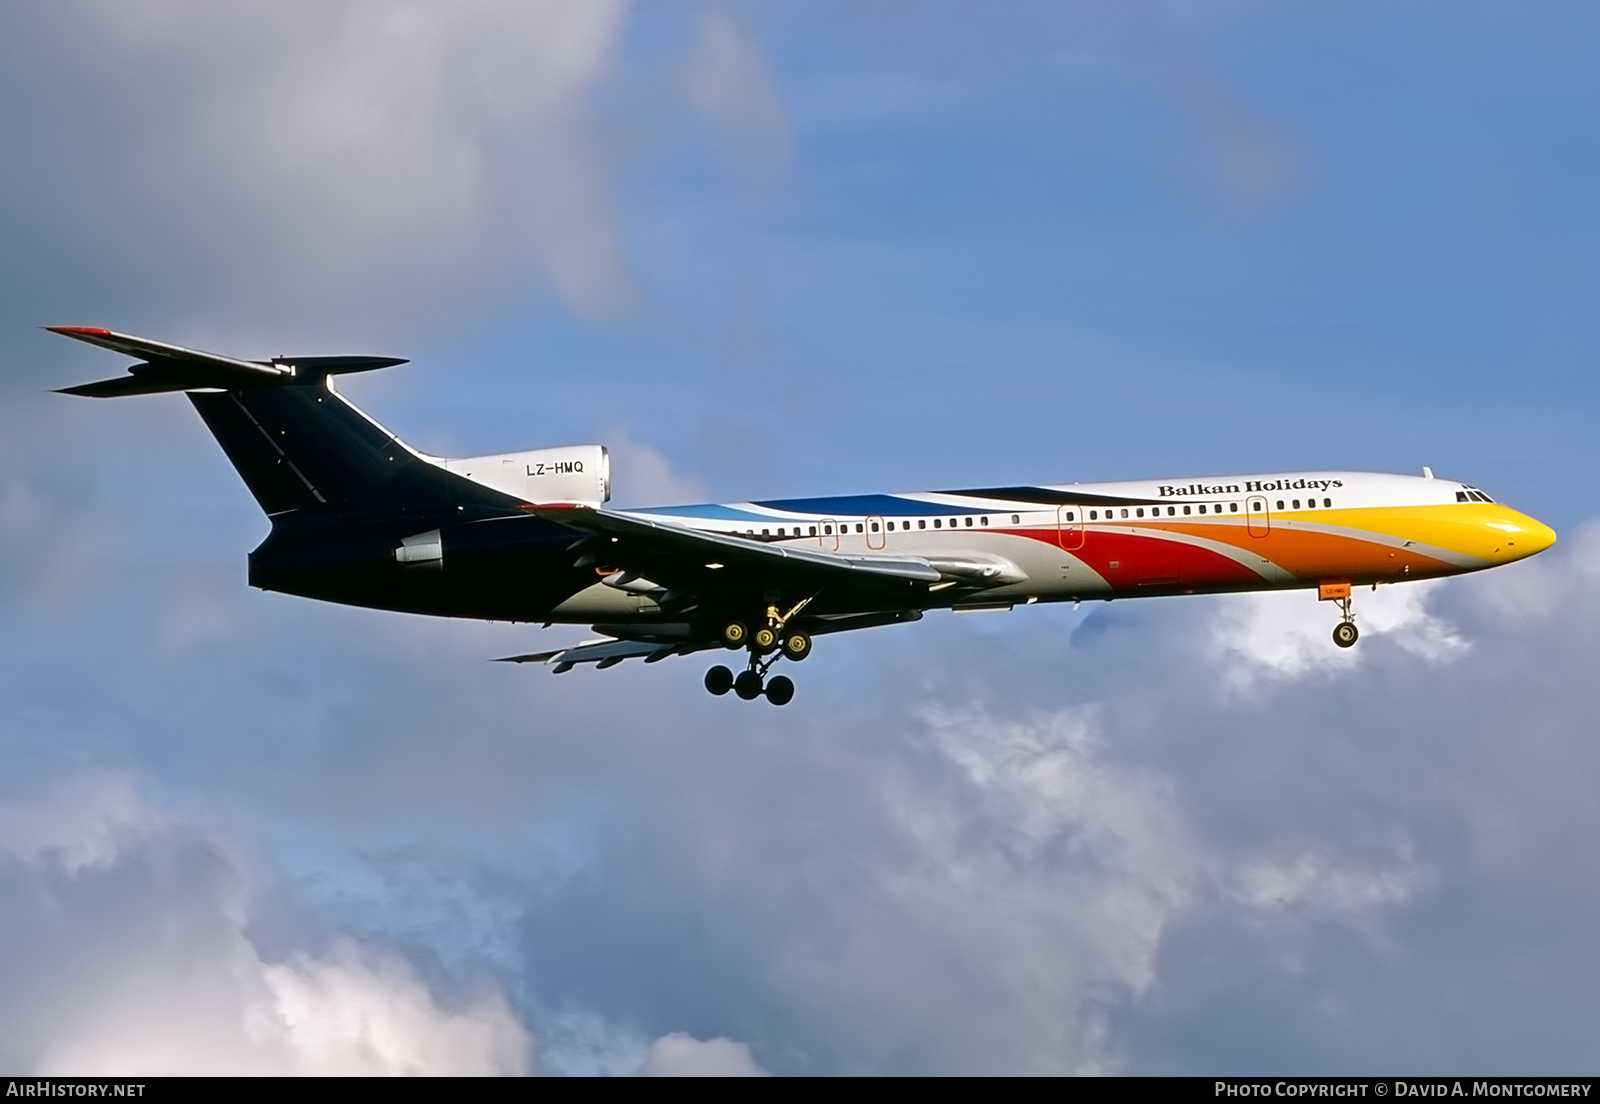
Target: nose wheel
1345,633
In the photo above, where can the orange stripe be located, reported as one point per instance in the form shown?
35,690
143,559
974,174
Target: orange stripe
1315,556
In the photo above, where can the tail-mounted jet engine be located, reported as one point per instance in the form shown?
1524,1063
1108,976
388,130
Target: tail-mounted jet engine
572,473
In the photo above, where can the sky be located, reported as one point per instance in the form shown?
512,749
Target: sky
788,249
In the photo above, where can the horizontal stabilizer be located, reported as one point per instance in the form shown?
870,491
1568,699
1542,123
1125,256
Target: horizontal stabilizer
124,385
166,367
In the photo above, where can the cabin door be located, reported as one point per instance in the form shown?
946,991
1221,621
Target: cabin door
828,535
1256,516
877,536
1069,527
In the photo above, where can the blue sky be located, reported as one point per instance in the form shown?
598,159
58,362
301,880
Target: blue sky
788,249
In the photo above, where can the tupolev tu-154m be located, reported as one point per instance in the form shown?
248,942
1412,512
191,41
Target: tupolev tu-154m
362,518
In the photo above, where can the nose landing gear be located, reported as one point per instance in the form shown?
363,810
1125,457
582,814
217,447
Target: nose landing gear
1345,633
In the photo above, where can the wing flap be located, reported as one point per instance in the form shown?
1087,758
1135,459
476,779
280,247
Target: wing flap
607,653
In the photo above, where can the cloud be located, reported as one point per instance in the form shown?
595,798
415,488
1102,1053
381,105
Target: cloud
303,168
1281,635
642,476
681,1055
126,952
730,84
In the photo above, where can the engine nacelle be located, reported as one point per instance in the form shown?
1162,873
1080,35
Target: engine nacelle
572,473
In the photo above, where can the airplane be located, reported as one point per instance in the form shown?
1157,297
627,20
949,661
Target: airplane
359,517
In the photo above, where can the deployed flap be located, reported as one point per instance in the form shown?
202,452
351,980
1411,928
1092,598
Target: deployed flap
608,653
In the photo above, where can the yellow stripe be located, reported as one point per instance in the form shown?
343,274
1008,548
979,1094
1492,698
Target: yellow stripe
1494,534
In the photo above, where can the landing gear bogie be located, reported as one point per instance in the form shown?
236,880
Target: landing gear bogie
769,642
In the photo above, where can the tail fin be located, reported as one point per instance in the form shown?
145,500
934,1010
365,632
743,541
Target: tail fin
296,442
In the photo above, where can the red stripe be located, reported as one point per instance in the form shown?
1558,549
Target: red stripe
1147,561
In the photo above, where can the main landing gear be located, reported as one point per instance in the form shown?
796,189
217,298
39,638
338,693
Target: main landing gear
770,642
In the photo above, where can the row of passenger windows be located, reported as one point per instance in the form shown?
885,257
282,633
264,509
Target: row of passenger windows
873,525
1071,515
1215,508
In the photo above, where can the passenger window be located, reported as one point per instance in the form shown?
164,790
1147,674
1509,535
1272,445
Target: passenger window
922,523
1328,502
1094,515
813,531
827,530
1233,507
1186,509
874,527
766,532
858,527
1171,510
1070,516
1202,507
1124,513
1280,503
1297,504
984,519
969,523
780,531
936,523
1015,520
1139,512
905,525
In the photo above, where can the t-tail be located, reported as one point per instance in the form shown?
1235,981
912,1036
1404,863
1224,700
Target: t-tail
345,495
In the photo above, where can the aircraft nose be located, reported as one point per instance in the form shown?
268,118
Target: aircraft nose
1520,536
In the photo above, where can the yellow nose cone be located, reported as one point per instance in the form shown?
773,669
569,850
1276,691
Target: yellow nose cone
1517,536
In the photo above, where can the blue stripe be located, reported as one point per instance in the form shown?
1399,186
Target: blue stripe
709,511
869,506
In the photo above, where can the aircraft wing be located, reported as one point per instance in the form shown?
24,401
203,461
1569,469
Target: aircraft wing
679,557
686,568
608,652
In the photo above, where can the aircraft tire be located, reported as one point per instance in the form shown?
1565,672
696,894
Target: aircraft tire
719,680
766,639
734,634
796,646
747,685
1345,634
780,690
